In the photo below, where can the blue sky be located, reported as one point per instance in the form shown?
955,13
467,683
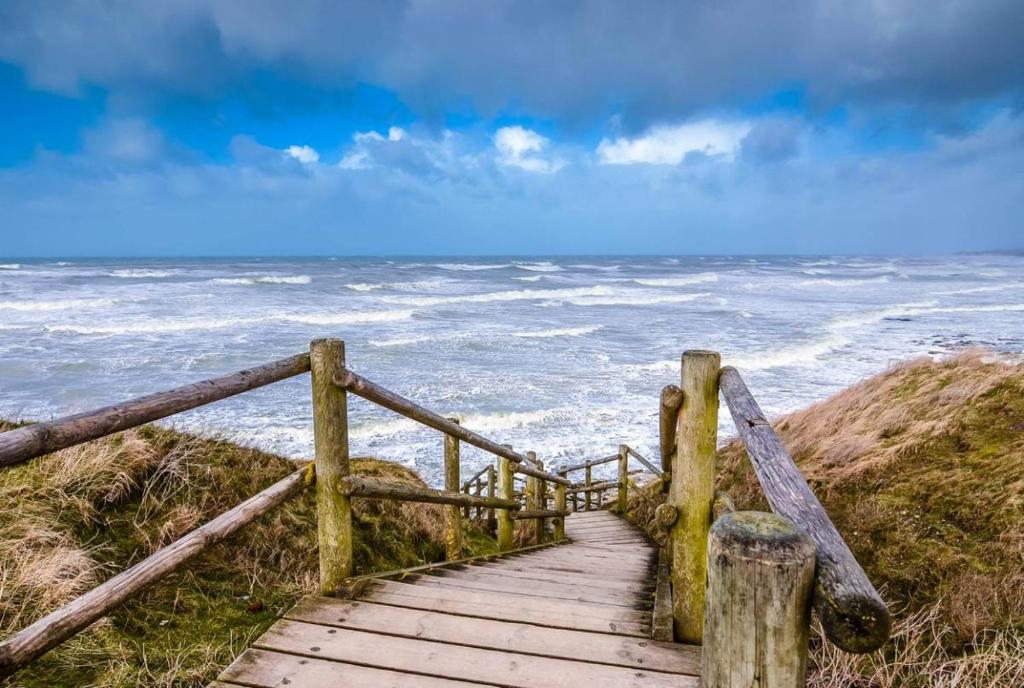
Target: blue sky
216,127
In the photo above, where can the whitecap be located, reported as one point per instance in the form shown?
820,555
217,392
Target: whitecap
494,296
635,299
472,267
543,266
61,305
802,353
843,282
264,279
558,332
699,278
980,290
193,324
141,273
420,285
530,278
10,266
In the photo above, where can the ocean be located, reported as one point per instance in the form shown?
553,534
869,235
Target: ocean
564,356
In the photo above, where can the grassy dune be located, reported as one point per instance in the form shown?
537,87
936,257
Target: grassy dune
72,519
922,470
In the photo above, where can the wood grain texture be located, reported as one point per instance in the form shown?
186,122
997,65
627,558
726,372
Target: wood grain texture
453,519
760,572
692,490
852,612
357,486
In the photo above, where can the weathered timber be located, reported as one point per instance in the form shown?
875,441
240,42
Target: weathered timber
668,414
595,487
592,462
330,445
530,471
647,464
371,391
453,520
56,627
505,492
623,504
760,573
492,491
588,478
560,506
31,441
852,613
692,490
661,620
355,486
539,514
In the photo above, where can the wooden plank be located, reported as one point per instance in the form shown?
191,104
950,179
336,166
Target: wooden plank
558,591
577,570
258,668
600,648
456,661
596,582
513,608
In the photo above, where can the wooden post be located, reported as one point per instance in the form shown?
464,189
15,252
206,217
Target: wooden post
559,522
453,521
330,441
492,484
540,488
506,490
600,499
465,509
586,481
623,478
479,491
532,494
760,578
692,490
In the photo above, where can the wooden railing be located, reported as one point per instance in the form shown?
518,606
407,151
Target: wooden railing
335,486
740,583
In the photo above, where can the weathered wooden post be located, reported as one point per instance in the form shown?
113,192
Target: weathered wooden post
760,579
623,478
540,489
692,490
453,521
531,492
479,491
560,506
586,483
506,490
465,509
330,444
600,498
492,484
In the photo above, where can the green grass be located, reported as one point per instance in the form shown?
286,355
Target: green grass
74,518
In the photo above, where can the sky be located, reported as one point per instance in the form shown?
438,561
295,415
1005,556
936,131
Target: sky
458,127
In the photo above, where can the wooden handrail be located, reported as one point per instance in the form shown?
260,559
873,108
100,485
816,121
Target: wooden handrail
365,487
31,441
59,625
647,464
524,514
852,612
593,462
371,391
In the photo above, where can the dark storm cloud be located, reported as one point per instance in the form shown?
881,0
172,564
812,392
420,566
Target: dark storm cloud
573,61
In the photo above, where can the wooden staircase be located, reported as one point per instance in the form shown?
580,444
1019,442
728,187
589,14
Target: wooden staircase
579,614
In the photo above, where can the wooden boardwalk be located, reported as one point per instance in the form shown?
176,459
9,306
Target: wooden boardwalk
578,614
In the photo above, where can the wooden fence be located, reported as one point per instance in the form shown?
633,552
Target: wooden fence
740,583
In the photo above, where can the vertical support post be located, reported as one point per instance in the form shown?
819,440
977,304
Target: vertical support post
492,486
330,442
532,493
479,492
559,521
600,498
586,483
540,489
453,522
505,491
760,578
623,479
692,490
465,509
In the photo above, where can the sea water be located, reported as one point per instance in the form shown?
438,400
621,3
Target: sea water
563,356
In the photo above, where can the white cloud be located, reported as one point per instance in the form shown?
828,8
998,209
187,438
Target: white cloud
303,154
522,148
669,144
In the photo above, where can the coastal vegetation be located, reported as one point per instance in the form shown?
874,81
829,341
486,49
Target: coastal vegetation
73,518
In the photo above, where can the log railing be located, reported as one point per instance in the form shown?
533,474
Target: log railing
335,486
740,583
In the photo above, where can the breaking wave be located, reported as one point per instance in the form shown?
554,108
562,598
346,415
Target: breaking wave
495,296
141,273
41,306
679,281
559,332
264,279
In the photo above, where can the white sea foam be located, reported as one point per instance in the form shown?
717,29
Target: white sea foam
420,285
400,341
140,273
802,353
348,318
496,296
816,271
472,267
543,266
843,282
61,305
699,278
10,266
264,279
173,325
591,266
558,332
642,299
530,278
981,290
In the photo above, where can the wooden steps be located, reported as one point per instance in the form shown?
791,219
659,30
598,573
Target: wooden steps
574,615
